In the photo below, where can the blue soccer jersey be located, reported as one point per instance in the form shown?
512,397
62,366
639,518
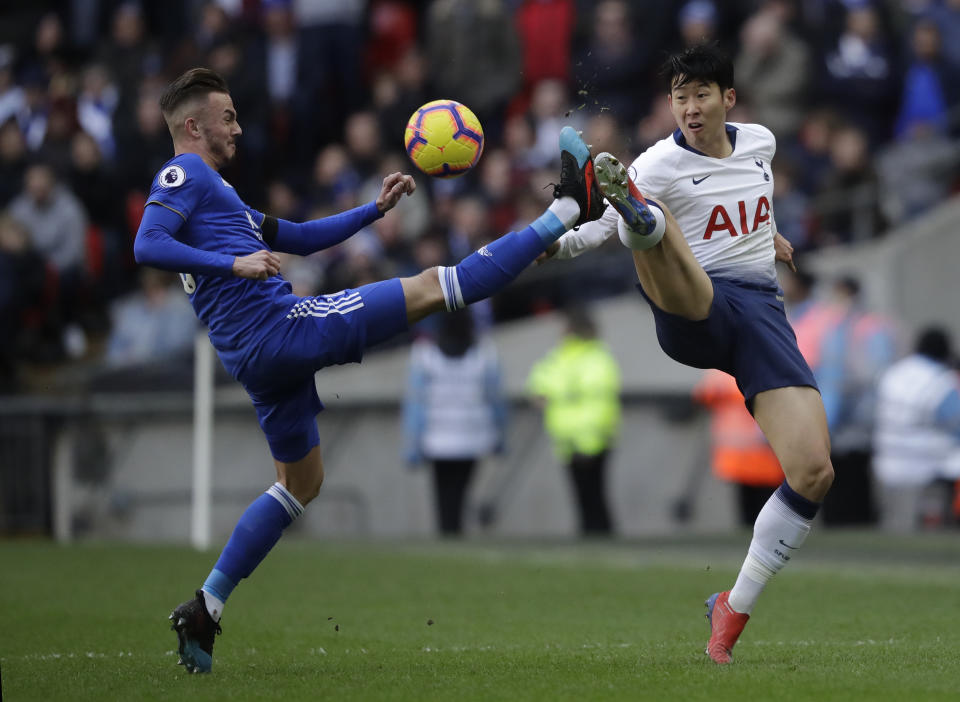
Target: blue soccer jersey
237,311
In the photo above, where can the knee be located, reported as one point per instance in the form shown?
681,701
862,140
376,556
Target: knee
305,485
423,294
312,487
814,475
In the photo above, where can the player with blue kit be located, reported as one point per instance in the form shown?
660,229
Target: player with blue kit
705,245
273,341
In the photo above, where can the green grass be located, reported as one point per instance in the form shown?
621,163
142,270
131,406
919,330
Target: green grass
857,617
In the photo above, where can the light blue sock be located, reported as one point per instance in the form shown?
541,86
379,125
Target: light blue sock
258,529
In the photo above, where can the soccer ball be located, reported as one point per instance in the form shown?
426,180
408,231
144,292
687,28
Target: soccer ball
444,139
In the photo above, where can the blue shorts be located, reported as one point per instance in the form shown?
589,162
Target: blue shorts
318,332
746,335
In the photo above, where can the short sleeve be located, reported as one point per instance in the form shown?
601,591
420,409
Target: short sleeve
181,185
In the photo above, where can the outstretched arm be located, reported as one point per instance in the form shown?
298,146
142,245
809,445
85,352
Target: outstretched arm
318,234
156,246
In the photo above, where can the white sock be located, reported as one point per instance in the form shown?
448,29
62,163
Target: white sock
566,209
214,606
642,242
777,533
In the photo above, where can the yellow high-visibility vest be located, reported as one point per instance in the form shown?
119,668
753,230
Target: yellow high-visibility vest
580,381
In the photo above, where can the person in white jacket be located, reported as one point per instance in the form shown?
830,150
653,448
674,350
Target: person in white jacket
454,411
917,434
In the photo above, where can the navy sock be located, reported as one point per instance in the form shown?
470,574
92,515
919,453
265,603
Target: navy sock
797,502
487,271
258,529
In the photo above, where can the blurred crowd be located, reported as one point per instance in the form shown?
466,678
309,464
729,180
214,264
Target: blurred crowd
861,94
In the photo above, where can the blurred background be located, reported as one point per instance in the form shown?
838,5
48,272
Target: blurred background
97,354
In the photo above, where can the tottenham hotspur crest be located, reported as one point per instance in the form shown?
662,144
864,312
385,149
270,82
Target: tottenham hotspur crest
766,176
171,177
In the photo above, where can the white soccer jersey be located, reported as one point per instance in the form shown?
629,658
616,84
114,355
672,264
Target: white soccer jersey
723,205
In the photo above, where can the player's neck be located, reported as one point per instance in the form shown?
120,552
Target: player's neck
714,145
179,149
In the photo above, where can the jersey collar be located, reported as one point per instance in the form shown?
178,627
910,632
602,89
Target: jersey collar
682,140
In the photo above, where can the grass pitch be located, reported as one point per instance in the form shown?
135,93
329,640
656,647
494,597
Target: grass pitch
856,617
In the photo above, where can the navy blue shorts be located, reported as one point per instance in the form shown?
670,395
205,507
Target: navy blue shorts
746,335
318,332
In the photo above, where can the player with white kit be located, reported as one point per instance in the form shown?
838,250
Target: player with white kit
705,246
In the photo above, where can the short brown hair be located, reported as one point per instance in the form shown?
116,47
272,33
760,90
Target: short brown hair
196,82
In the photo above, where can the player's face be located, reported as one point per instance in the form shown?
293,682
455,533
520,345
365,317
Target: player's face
700,110
220,128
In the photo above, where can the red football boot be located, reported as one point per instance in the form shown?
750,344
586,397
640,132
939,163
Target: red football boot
725,627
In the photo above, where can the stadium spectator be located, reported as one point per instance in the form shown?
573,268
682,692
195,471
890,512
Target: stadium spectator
482,67
46,56
578,387
61,125
454,411
930,84
811,153
143,144
917,435
130,53
23,278
773,68
391,35
330,47
96,186
810,317
497,188
603,131
55,219
11,95
946,16
34,111
545,29
792,206
549,114
854,353
361,135
96,105
274,55
847,197
698,22
860,75
612,71
334,179
151,324
397,93
13,160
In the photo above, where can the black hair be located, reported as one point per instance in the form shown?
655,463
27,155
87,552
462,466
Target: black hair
579,322
196,82
456,333
934,342
705,62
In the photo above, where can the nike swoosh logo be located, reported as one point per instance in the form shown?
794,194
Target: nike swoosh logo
697,182
788,545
